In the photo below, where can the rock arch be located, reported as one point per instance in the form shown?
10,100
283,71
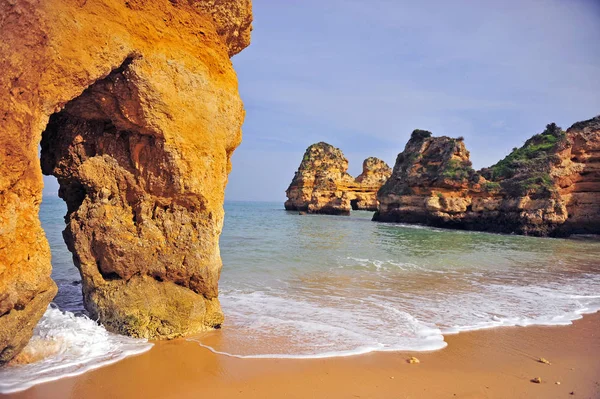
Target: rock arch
140,113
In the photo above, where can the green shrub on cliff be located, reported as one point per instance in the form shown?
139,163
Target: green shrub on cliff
538,184
536,149
526,170
491,186
457,170
419,134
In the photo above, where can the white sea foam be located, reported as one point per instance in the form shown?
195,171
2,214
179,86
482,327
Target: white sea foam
328,319
509,306
322,355
280,325
379,265
69,345
558,320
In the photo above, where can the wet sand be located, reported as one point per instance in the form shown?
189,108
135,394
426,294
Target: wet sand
496,363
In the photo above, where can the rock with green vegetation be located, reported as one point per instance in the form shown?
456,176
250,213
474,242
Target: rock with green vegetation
430,181
526,170
549,186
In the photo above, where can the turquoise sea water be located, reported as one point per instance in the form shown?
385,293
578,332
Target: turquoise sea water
317,286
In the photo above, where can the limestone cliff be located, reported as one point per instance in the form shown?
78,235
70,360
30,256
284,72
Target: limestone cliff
550,186
137,108
577,178
363,192
323,185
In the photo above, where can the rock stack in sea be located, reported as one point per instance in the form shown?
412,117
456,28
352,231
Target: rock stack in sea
322,183
136,104
548,187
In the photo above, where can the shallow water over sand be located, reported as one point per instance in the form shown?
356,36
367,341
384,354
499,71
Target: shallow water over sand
315,286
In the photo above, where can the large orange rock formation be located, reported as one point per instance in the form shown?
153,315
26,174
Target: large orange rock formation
550,186
137,108
322,183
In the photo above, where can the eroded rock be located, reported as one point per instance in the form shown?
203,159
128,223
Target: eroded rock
322,183
550,186
140,113
577,177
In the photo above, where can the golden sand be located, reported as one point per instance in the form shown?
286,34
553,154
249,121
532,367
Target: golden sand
496,363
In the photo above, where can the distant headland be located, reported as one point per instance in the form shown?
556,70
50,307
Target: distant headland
548,187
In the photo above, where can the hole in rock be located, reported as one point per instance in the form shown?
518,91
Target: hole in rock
101,125
64,273
354,204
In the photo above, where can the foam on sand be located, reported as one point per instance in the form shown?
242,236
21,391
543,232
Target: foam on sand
65,345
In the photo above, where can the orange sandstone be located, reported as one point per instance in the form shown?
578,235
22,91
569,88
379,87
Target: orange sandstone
550,186
136,104
322,183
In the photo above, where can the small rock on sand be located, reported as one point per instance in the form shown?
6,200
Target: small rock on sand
413,360
537,380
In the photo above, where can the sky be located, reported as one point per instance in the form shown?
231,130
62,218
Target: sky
362,75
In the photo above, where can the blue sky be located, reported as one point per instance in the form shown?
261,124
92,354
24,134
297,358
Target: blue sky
361,75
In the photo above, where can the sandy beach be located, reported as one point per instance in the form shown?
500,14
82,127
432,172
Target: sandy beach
411,211
495,363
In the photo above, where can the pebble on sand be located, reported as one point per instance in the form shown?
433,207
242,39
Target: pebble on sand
537,380
413,360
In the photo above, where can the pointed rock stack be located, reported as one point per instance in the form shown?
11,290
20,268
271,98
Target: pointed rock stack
323,185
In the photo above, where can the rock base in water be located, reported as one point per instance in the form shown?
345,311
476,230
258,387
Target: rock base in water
548,187
137,108
323,185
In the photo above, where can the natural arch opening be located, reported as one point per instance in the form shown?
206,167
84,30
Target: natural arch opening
135,235
65,275
354,204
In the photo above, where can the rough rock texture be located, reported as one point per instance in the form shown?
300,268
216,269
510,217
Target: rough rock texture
577,177
140,113
233,20
323,185
550,186
363,193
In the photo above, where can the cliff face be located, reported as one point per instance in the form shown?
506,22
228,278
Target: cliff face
323,185
137,109
577,177
550,186
363,192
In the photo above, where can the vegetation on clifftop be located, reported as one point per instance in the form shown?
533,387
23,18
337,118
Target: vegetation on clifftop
526,170
419,134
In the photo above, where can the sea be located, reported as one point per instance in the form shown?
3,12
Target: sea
315,286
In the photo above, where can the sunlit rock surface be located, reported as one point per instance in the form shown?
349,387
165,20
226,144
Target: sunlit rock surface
137,108
550,186
322,183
